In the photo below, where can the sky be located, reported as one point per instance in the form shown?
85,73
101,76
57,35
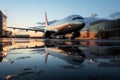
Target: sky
26,13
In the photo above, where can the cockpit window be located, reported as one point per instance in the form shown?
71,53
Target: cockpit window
75,18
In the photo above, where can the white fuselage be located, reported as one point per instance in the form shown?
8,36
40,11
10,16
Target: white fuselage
70,24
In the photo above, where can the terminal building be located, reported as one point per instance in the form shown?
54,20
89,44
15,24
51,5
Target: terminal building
3,26
102,29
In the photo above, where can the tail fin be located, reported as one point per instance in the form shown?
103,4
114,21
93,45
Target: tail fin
46,57
46,20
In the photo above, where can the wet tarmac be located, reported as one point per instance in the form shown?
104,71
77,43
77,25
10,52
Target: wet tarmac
59,59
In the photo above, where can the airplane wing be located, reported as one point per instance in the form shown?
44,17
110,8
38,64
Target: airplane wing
28,29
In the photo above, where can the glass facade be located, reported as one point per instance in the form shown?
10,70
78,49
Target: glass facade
104,30
3,25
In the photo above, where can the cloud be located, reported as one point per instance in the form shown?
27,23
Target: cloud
115,15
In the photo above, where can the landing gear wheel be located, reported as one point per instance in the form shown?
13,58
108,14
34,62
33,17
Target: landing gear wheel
75,35
47,34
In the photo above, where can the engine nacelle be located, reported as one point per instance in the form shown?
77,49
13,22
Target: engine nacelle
49,34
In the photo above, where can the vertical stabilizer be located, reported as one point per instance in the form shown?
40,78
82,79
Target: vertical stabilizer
46,57
46,20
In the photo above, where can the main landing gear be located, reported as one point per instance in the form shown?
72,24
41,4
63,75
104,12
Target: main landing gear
75,35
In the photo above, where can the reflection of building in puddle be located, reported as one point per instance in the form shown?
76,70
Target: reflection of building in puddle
110,63
2,56
97,47
109,51
105,50
9,44
3,49
100,42
107,54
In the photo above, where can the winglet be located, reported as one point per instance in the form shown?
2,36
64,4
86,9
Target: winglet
46,20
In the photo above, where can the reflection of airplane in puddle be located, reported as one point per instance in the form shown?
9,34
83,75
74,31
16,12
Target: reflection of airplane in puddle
69,53
72,55
71,24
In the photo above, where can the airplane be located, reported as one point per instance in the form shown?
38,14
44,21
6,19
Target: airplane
71,24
